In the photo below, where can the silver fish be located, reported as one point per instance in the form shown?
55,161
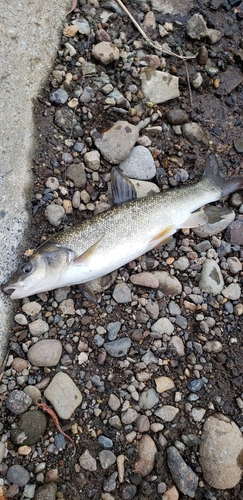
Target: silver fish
112,239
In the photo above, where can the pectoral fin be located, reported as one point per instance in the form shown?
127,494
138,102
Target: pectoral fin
86,255
196,219
87,292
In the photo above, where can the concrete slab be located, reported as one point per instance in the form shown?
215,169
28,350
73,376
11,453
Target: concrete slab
29,37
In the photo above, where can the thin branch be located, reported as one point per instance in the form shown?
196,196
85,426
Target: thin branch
155,45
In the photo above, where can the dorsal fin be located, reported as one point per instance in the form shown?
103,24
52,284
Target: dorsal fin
121,187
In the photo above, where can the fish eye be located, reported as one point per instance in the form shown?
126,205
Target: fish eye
27,268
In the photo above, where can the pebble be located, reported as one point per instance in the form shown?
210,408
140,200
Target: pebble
54,214
19,364
59,97
47,491
83,26
63,394
196,385
144,188
18,475
76,173
87,462
106,458
168,284
171,494
152,309
105,52
167,413
220,451
234,233
46,352
143,424
177,345
2,451
139,164
67,307
38,327
196,27
20,319
145,279
211,278
33,392
92,160
198,414
113,330
219,219
116,143
66,120
195,134
148,399
234,264
29,428
105,442
158,86
232,292
177,116
127,491
122,293
129,416
164,384
163,325
70,31
114,402
147,451
31,308
18,402
186,480
181,264
118,348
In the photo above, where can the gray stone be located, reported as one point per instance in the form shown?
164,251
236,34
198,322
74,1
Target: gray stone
76,173
46,352
38,327
31,308
87,95
106,458
105,52
234,233
158,86
83,26
172,6
177,116
163,325
129,416
234,264
145,279
139,164
211,278
168,284
116,143
67,121
167,413
177,345
232,292
59,97
148,399
122,293
64,395
46,492
54,214
18,475
18,402
184,477
195,134
92,160
87,462
144,188
220,452
196,27
118,348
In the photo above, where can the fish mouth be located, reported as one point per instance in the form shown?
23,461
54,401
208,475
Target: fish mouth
9,290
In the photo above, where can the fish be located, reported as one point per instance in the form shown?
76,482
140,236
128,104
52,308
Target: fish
129,229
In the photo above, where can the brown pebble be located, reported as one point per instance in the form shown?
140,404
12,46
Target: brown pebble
202,56
19,364
52,476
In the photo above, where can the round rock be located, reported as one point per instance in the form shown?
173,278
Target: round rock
18,402
211,278
54,214
29,429
45,353
18,475
139,164
105,52
63,394
147,451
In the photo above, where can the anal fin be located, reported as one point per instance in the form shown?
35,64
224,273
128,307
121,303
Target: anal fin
195,219
163,236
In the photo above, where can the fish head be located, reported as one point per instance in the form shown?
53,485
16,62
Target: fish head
40,273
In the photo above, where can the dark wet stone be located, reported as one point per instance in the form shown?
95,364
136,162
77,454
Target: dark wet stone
195,134
113,330
59,97
66,120
18,402
184,477
78,147
128,491
224,249
234,232
177,116
196,385
202,56
30,427
76,173
87,95
18,475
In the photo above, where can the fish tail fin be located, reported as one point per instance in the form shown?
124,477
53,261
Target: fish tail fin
212,172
